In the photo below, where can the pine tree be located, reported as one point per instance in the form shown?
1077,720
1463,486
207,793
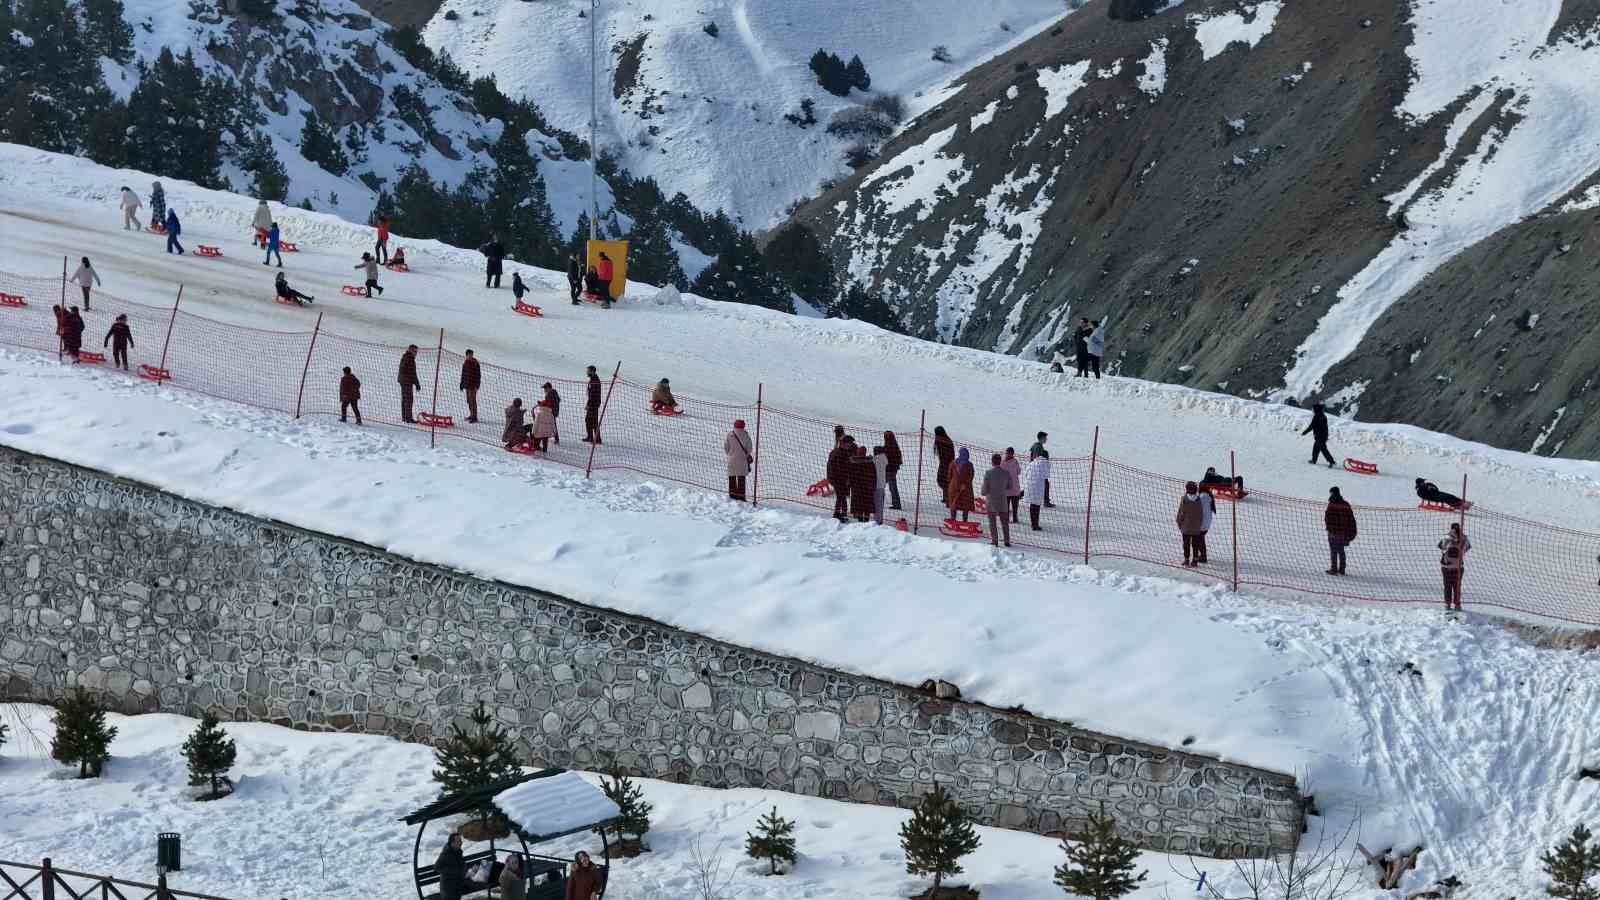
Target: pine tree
856,73
651,257
739,275
108,33
210,754
518,207
104,140
319,145
1571,865
773,841
579,241
174,126
935,838
45,70
1101,864
635,810
82,735
870,308
831,73
269,177
795,254
475,758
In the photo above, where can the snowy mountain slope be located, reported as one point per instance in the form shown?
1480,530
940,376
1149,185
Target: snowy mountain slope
1474,760
1243,188
705,115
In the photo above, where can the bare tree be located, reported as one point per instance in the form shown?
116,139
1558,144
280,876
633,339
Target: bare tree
706,870
1325,870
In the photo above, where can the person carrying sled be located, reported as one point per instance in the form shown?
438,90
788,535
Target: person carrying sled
961,501
575,277
1340,520
174,228
131,204
1452,554
838,473
370,266
120,337
661,399
494,254
349,395
280,286
85,277
518,286
944,451
1318,429
471,380
1191,524
996,497
1427,490
262,223
741,453
409,382
515,432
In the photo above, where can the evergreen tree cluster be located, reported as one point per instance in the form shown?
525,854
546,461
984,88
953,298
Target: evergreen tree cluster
82,736
1573,865
836,76
319,144
1100,862
210,754
773,841
476,757
634,819
935,838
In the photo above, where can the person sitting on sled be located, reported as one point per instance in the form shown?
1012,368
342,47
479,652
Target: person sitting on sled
661,399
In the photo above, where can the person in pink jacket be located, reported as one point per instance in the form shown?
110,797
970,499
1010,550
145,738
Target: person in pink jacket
1013,466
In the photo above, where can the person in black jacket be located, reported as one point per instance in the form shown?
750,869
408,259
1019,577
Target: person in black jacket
553,399
591,410
863,484
575,277
471,380
944,449
1080,339
496,253
1427,490
452,869
123,336
1318,429
891,449
839,475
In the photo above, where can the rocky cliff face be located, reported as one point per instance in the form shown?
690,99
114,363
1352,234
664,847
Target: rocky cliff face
1268,199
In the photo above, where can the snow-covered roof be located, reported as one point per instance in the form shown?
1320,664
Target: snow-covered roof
554,806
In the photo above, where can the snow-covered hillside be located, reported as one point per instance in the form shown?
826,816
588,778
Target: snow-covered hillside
705,115
1473,758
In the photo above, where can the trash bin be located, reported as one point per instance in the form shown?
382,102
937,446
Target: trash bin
169,851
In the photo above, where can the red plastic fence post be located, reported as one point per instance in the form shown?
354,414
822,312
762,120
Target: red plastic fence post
916,506
755,482
168,342
60,343
1088,507
604,405
1234,511
1461,573
438,358
47,879
304,371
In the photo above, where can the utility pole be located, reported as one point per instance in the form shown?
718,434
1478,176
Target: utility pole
594,118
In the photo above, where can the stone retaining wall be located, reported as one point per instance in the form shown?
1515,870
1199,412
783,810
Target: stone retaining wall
166,604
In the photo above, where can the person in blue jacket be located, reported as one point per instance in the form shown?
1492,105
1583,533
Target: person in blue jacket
173,230
272,246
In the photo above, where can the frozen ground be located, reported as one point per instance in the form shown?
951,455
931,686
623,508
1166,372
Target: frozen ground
1474,759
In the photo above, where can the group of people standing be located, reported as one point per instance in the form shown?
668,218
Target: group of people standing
597,280
863,485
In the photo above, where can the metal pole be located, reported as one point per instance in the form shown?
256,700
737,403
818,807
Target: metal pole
1234,473
162,368
60,339
438,358
1461,573
47,878
916,507
604,405
303,372
1088,507
594,119
755,482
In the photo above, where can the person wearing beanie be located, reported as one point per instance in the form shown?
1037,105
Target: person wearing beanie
1191,524
661,399
1340,521
960,496
741,453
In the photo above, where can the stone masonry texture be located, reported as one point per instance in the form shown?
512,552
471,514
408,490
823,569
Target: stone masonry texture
155,602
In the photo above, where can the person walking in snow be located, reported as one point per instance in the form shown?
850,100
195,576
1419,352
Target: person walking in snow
575,277
1097,347
880,466
961,500
1208,514
1452,555
174,228
554,399
1034,481
408,383
349,395
661,399
996,497
158,206
85,277
131,204
741,453
495,253
380,249
273,245
471,380
605,271
370,265
944,452
1427,490
1080,340
120,337
891,449
262,223
518,286
591,409
1318,429
1340,520
863,475
544,426
515,432
1038,450
280,286
1191,524
1013,467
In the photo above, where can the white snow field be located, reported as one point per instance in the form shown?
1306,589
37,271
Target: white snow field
725,152
1475,759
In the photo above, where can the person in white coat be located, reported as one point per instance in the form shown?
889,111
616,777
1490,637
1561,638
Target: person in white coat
85,278
880,461
1208,512
740,453
1038,472
131,204
1097,346
544,426
262,224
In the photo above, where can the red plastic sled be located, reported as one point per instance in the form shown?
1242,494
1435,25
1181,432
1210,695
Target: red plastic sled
980,506
958,529
433,421
289,246
208,250
89,356
12,300
1444,507
666,411
528,309
354,290
158,228
1359,467
1224,492
526,448
902,525
286,301
820,489
396,267
151,373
